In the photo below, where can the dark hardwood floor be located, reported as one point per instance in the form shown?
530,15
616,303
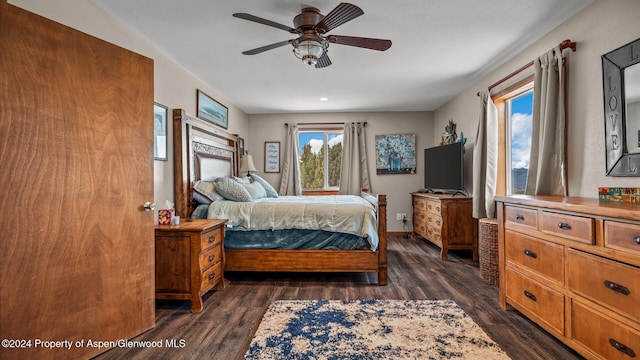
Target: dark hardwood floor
224,329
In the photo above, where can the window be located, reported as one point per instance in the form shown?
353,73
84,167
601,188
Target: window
320,159
518,114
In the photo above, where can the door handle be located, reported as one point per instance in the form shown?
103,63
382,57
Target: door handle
149,206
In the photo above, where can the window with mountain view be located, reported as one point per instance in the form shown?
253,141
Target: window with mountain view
519,111
320,159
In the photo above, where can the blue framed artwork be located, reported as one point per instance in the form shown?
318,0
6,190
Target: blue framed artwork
396,154
211,110
159,131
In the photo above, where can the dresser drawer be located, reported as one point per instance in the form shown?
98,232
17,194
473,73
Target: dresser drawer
540,256
544,302
435,221
613,284
420,228
420,215
434,207
211,238
419,203
521,217
210,257
570,227
603,335
211,277
621,236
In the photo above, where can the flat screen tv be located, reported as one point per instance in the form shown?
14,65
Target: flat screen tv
443,168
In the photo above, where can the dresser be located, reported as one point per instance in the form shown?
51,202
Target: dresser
572,265
189,260
446,221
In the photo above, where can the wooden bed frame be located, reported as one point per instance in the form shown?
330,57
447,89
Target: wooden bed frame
203,152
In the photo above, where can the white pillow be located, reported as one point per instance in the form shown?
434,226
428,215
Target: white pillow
271,192
256,190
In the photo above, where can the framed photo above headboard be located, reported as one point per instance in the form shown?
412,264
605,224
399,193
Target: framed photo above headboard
211,110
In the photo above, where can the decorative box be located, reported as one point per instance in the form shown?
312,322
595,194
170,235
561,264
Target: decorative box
164,217
610,194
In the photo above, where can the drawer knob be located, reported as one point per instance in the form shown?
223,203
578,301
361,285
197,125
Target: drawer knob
212,239
211,257
637,239
617,287
564,226
520,217
531,254
622,348
530,295
212,275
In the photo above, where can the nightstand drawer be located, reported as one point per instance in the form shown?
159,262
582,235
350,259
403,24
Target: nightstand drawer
621,236
211,277
613,284
210,257
546,303
524,217
571,227
211,238
603,335
540,256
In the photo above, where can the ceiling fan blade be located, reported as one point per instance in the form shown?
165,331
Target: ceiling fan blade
339,15
323,61
260,20
266,47
367,43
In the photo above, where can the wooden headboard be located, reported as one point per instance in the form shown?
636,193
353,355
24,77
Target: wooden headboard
201,151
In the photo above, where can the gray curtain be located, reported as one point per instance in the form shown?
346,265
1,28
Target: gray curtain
485,159
354,175
290,177
547,167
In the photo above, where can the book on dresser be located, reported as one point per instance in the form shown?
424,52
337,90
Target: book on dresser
572,265
446,221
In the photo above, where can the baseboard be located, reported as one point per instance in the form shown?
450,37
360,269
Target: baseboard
398,233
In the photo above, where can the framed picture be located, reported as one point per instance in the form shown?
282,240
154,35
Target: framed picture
211,110
272,156
159,131
240,146
396,154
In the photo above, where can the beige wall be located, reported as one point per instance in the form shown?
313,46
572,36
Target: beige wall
397,187
601,27
174,87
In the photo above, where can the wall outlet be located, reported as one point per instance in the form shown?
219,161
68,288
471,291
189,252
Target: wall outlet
399,216
404,217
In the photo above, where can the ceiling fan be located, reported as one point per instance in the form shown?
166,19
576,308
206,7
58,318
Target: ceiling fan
312,44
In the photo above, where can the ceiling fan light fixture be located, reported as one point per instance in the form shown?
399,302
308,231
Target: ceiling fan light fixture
309,51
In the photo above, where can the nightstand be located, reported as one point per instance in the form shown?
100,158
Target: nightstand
189,260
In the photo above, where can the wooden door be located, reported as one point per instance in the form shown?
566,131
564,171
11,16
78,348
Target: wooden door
76,153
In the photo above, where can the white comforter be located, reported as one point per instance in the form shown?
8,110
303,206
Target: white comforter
340,213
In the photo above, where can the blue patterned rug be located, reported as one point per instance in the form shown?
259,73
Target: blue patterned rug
370,329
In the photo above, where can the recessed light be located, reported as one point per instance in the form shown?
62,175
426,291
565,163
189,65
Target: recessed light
324,99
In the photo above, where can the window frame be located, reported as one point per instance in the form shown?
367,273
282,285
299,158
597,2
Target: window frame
326,131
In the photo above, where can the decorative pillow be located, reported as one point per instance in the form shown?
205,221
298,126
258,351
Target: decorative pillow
256,190
271,192
231,189
243,180
204,192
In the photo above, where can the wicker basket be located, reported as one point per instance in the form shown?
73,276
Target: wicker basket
488,251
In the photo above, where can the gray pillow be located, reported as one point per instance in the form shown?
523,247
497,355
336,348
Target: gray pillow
204,192
256,190
271,192
232,190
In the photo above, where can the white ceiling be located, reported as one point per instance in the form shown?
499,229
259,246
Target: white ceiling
440,47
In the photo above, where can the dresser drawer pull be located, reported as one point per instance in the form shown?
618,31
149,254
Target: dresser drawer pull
564,226
212,275
617,287
637,239
211,257
622,348
212,239
530,295
531,254
519,217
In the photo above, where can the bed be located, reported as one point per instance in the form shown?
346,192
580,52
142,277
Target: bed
205,152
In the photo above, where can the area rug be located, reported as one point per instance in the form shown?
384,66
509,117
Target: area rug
370,329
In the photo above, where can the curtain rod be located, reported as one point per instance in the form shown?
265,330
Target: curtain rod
328,123
566,44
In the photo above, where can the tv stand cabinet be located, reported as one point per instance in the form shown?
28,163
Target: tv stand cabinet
446,221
